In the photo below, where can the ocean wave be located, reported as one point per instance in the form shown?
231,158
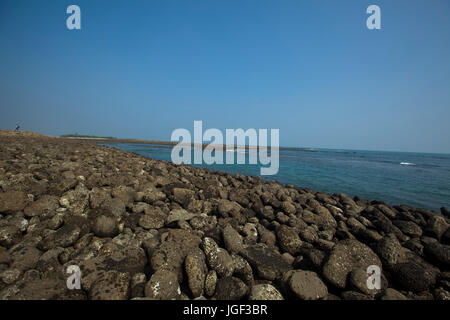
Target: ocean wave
407,164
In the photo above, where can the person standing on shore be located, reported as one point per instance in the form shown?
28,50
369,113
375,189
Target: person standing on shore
17,127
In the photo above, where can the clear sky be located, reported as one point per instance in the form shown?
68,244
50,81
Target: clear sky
140,69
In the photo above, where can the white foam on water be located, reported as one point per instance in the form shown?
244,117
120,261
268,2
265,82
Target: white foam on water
407,164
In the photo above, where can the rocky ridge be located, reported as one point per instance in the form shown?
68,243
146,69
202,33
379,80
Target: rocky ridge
145,229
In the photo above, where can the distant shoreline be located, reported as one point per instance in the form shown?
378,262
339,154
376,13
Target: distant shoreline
169,143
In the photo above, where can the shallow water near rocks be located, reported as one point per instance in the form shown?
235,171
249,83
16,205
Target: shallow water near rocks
416,179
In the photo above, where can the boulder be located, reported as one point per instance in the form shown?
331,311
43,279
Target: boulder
289,240
264,292
233,240
414,274
409,228
25,258
163,285
307,285
210,283
111,285
268,263
46,205
230,288
345,257
13,201
177,215
392,294
9,236
196,270
153,219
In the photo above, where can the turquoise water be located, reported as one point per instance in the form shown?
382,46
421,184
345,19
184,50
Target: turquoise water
416,179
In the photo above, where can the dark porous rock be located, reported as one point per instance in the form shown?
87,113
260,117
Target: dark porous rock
439,252
446,237
415,245
211,250
288,207
115,205
309,234
232,239
153,196
81,222
187,239
178,215
163,285
203,223
437,226
5,257
267,262
153,219
288,258
170,254
391,213
196,270
242,270
9,236
13,201
76,200
103,223
307,285
210,283
167,256
97,197
264,292
445,212
409,228
10,276
129,259
124,193
345,257
392,294
225,264
49,261
325,219
353,295
183,196
228,208
289,240
41,289
230,288
311,259
25,258
390,250
266,237
64,237
44,206
138,282
441,294
16,220
111,285
415,274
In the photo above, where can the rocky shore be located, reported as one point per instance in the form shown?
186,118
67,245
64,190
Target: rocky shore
145,229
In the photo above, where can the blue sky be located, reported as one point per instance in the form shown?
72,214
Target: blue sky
140,69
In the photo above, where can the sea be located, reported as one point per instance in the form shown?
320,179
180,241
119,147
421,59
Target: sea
420,180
